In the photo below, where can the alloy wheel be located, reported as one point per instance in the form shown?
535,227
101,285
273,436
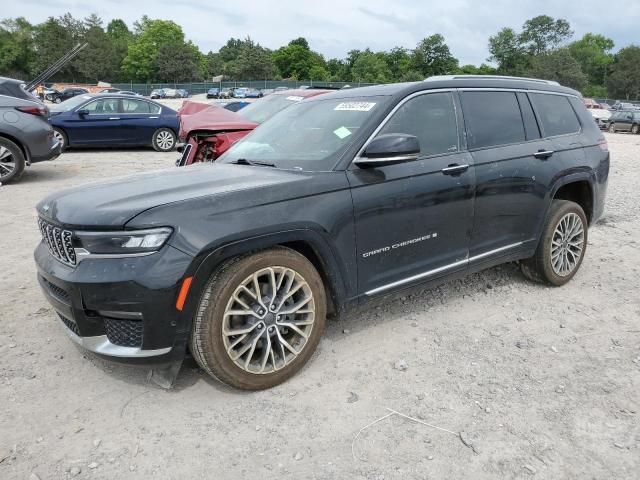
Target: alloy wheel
612,128
164,140
268,320
7,163
59,137
635,129
567,244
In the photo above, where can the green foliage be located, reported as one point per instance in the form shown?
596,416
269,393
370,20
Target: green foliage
178,62
508,52
297,60
52,39
593,54
370,67
543,33
624,81
433,57
560,66
16,47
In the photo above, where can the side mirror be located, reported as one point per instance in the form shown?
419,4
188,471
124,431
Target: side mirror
83,112
389,149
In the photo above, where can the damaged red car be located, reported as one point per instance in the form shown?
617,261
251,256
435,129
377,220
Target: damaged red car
207,131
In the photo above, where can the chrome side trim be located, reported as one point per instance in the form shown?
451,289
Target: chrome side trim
103,346
435,271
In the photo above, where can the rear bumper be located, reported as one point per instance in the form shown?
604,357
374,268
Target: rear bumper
122,309
52,154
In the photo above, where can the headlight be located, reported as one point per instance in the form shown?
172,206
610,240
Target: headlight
118,243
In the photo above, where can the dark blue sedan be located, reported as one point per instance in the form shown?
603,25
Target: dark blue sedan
114,120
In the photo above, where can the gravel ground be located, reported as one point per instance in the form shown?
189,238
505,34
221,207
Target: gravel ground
521,380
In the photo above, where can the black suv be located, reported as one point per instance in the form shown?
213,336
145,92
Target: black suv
624,121
342,197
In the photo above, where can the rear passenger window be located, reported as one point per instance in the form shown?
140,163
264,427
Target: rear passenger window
431,118
492,119
556,114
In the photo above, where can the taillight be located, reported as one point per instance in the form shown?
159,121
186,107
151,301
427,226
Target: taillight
40,111
604,146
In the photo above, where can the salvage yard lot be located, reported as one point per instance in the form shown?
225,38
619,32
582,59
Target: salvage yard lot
542,382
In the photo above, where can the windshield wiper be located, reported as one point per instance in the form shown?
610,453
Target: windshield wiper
244,161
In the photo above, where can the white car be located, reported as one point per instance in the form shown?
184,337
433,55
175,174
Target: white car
600,115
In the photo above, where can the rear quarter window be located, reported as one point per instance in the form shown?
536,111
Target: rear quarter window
492,119
556,114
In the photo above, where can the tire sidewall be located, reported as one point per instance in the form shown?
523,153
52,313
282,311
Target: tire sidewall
559,210
213,304
154,141
634,129
65,142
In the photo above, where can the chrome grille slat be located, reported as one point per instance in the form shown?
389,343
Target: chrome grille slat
58,242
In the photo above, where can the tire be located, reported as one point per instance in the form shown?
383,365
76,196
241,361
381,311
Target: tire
549,264
612,128
12,161
635,129
57,100
209,344
61,137
164,140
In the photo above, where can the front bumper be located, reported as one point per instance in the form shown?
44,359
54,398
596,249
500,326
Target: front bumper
122,309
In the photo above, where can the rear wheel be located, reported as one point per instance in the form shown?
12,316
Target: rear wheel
57,100
260,319
12,161
164,140
61,137
635,129
562,246
612,128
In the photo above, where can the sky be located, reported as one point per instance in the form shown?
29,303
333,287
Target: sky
333,27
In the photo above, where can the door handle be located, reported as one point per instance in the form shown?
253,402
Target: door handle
544,154
114,118
455,169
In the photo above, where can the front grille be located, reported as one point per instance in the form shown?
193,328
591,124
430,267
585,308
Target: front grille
55,291
58,241
125,333
70,324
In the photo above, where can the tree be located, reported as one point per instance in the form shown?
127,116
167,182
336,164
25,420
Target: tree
543,33
16,47
507,51
52,39
296,60
140,62
433,57
119,36
98,61
370,67
593,54
483,69
560,66
178,62
624,81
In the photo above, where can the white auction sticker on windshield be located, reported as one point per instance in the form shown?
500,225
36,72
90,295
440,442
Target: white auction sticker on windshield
355,106
295,98
342,132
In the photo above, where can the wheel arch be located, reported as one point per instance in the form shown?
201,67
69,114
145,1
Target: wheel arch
578,188
307,242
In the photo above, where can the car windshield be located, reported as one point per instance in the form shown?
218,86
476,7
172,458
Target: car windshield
307,136
267,107
70,104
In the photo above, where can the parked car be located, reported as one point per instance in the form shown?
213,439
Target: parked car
226,93
172,93
157,93
114,120
336,200
280,89
253,93
240,92
67,93
110,90
209,132
624,121
25,134
213,92
48,93
127,92
625,106
601,116
606,106
235,106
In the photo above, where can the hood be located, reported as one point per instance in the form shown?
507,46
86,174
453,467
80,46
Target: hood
110,204
210,117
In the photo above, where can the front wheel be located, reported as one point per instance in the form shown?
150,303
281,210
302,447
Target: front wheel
562,246
164,140
57,100
260,319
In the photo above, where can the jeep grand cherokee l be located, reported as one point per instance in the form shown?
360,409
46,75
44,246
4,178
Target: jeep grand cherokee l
334,200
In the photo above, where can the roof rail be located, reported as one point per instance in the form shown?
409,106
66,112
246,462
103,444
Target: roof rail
487,77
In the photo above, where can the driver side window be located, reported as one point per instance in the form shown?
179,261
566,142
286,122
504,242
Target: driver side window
432,119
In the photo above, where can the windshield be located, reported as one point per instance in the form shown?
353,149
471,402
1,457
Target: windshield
267,107
70,104
309,135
